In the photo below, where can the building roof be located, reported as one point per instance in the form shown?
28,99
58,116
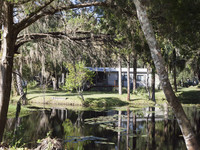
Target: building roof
107,69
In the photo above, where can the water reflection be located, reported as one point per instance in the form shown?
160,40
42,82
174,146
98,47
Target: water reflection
119,128
134,129
127,129
151,142
148,128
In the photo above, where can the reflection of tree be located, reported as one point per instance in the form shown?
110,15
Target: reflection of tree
72,131
38,124
174,132
43,122
134,130
79,120
165,119
165,131
151,144
119,127
153,128
127,130
56,123
196,121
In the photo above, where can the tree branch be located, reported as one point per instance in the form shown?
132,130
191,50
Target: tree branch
32,17
22,2
60,35
40,12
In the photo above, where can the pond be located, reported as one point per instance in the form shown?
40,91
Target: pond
128,128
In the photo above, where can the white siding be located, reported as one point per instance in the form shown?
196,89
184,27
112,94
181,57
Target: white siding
112,76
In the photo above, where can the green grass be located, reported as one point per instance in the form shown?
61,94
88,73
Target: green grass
37,96
50,97
189,95
93,98
104,102
12,111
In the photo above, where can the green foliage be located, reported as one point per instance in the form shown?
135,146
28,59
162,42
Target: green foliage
104,102
16,142
12,111
79,77
68,128
141,90
16,145
189,95
185,75
32,84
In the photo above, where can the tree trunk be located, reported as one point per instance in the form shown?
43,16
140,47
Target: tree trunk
21,63
62,79
54,80
128,79
184,123
120,77
14,85
134,72
153,84
6,63
174,70
82,98
20,87
1,5
147,82
199,75
57,83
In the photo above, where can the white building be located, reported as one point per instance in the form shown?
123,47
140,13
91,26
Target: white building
109,77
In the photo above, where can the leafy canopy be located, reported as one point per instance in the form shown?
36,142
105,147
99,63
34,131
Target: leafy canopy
78,76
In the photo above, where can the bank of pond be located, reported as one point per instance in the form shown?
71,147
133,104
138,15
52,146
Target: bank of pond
118,128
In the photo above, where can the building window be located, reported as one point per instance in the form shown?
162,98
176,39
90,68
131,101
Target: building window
140,77
124,77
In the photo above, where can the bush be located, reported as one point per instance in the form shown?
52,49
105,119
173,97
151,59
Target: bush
104,102
141,90
32,84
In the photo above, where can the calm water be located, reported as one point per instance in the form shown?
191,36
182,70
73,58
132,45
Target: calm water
130,128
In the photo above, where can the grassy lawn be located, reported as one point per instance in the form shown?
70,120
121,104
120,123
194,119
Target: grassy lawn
93,98
189,95
12,111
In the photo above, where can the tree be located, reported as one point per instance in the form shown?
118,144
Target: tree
186,128
78,78
19,85
120,76
153,74
128,78
177,21
12,27
72,40
122,21
1,6
134,71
